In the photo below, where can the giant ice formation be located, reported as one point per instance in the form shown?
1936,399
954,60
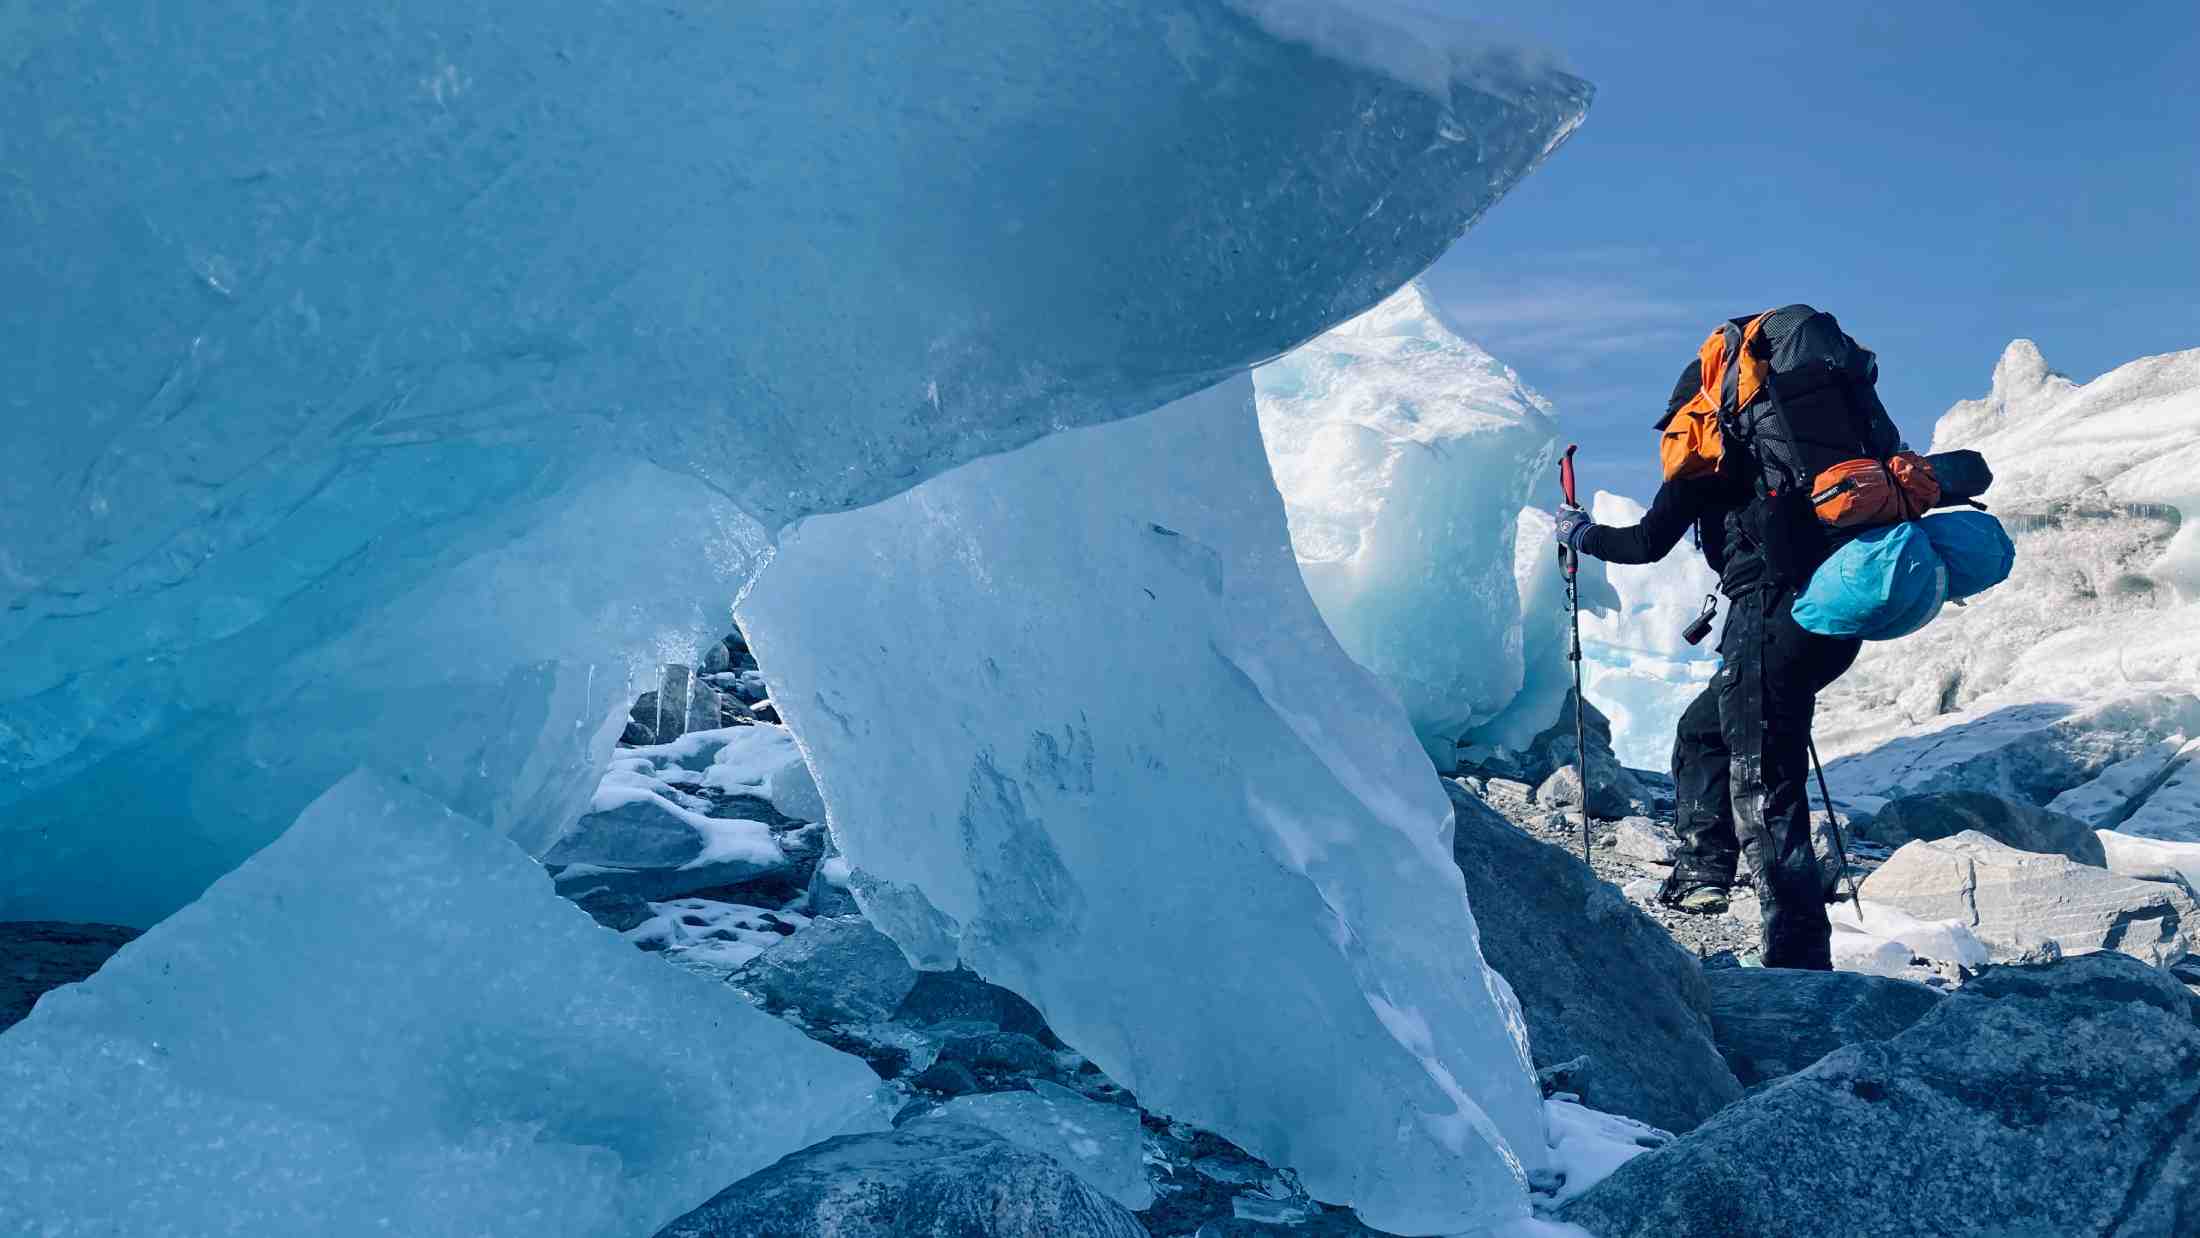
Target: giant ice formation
1403,452
363,361
1143,787
386,1023
2076,683
1546,673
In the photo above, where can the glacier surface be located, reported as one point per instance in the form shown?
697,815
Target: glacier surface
2076,684
1403,452
1143,787
386,1023
365,362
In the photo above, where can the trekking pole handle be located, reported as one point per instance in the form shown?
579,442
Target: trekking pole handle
1566,474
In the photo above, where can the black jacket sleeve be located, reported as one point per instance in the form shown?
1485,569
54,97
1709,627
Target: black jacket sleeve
1676,507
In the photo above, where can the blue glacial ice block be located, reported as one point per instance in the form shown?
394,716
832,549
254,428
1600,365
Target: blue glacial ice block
354,352
387,1023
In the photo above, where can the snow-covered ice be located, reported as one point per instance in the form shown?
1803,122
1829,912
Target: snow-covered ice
1546,675
2076,683
1233,890
389,386
1100,1143
1403,451
386,1023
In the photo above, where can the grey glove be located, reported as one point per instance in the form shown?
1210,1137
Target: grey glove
1573,525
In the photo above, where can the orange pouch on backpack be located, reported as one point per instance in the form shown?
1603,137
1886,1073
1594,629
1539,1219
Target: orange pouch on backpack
1689,443
1860,493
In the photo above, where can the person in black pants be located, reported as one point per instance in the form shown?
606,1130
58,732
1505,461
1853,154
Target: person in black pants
1741,762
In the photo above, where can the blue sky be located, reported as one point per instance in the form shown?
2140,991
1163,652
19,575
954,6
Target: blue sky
1942,176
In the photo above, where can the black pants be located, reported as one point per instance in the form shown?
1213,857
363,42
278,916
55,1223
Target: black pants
1741,774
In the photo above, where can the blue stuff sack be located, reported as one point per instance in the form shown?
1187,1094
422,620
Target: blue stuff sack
1887,582
1978,553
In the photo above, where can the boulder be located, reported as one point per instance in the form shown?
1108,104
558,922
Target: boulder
835,971
1944,814
1098,1142
1594,975
929,1179
1608,799
643,842
1614,790
964,997
2055,1100
1770,1022
1640,838
39,955
2025,905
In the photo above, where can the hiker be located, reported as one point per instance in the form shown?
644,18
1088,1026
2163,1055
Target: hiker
1741,754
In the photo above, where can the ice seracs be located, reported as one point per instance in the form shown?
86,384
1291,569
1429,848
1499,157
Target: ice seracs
327,325
1403,451
2076,684
1234,892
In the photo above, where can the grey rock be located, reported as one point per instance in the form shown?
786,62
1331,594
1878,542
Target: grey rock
617,910
1640,838
999,1054
1614,791
962,996
825,896
1595,976
833,971
704,708
928,1179
946,1078
1613,794
1770,1022
1944,814
37,956
644,848
672,702
2059,1100
2023,904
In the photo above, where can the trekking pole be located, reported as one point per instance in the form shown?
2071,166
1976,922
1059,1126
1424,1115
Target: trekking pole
1570,562
1833,820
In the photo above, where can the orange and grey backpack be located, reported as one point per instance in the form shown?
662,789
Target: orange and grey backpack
1790,402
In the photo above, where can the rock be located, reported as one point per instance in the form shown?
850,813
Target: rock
962,996
1640,838
2056,1100
946,1078
765,711
641,721
834,971
1614,789
1943,814
1098,1142
999,1054
672,702
646,844
705,709
929,1179
617,910
1594,975
2019,902
1770,1022
40,955
1614,795
829,893
1642,889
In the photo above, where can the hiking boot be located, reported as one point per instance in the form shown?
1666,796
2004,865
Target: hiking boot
1701,900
